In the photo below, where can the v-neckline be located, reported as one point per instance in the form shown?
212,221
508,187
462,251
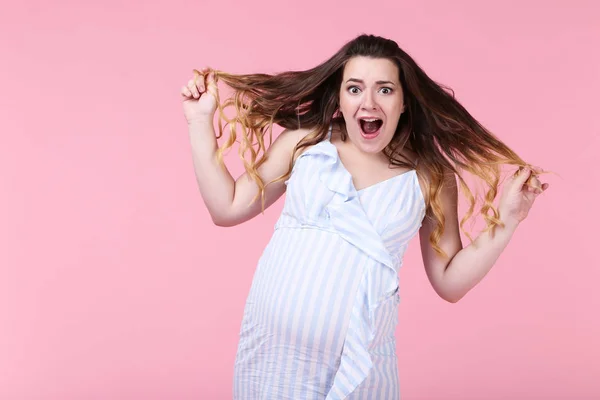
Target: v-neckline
376,184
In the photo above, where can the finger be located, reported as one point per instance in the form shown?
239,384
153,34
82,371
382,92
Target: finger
186,92
521,176
517,172
211,84
193,88
200,78
202,71
534,182
210,79
200,84
539,188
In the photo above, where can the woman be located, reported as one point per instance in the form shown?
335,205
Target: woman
370,156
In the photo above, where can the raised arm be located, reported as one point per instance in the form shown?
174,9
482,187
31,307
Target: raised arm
454,277
227,200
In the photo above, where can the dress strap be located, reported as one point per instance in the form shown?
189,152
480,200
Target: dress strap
329,131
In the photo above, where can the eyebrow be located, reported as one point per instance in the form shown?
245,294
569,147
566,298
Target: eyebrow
378,82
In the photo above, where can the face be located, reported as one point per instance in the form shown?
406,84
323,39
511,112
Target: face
371,101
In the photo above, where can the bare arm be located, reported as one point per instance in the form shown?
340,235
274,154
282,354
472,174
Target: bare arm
228,200
453,278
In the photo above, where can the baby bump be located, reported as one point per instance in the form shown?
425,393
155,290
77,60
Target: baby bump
304,287
303,313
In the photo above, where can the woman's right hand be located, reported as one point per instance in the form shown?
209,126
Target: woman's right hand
199,96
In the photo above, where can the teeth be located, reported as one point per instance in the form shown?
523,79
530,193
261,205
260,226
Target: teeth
370,119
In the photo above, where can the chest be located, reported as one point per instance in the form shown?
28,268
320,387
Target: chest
366,170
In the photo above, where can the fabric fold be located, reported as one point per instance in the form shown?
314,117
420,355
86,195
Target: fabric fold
347,216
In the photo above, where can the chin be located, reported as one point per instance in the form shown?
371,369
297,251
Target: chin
370,143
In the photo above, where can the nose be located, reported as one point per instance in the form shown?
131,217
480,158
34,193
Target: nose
368,102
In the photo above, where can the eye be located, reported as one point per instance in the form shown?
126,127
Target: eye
354,89
386,90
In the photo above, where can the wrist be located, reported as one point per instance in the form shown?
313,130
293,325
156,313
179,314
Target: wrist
510,224
201,121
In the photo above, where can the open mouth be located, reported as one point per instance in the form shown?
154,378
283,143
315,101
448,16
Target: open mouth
370,127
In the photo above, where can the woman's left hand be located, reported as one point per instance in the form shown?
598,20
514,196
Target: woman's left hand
518,196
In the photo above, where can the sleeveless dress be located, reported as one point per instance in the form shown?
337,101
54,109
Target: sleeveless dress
321,313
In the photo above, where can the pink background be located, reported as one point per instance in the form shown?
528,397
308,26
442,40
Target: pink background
115,285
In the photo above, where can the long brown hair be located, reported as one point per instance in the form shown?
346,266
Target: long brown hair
442,133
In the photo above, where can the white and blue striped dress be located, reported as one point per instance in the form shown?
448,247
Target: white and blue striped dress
321,314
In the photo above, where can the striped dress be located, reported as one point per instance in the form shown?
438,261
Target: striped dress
320,317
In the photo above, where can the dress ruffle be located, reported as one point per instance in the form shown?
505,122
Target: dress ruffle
348,218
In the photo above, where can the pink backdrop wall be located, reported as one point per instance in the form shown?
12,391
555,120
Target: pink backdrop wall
115,285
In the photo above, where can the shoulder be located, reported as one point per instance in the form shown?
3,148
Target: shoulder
447,181
287,140
291,137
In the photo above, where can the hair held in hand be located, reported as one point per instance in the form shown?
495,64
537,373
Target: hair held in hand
445,137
